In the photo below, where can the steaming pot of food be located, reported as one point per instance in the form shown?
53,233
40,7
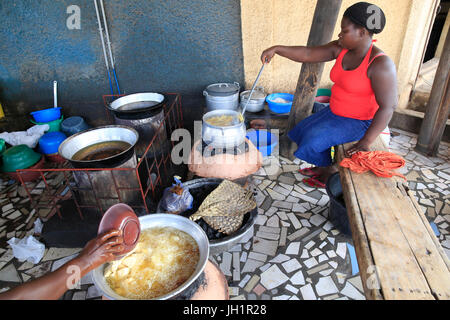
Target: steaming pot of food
223,128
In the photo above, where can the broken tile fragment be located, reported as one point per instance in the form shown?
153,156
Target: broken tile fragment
259,289
268,247
311,262
298,234
326,286
293,248
294,220
297,278
308,292
351,292
251,265
291,265
252,283
317,220
341,249
273,277
280,258
283,236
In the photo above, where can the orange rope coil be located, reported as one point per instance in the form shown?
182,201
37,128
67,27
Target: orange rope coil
382,163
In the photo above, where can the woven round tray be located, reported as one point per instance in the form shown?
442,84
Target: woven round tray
224,208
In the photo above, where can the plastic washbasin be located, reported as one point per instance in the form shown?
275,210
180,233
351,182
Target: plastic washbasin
46,115
54,125
49,142
19,157
73,125
323,92
264,140
322,99
280,107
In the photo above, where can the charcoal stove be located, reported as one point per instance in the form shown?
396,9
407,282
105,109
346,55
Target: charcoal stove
230,163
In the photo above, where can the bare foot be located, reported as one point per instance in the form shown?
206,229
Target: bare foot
326,172
311,172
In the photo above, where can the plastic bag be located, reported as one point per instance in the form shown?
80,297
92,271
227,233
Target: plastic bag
27,248
38,226
30,137
176,199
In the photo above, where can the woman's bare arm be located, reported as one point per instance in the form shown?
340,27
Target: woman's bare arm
323,53
53,285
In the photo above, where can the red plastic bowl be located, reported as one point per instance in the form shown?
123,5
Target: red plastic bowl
28,176
322,99
55,157
258,124
121,216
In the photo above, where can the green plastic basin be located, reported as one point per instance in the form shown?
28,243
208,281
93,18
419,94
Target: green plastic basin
19,157
54,125
323,92
2,146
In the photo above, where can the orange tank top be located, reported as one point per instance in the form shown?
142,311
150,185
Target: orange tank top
352,95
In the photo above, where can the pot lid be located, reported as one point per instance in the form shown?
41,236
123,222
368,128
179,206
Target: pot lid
222,89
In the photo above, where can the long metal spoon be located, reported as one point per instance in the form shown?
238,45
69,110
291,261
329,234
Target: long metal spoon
241,115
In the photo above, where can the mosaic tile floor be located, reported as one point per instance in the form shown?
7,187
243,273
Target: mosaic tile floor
294,252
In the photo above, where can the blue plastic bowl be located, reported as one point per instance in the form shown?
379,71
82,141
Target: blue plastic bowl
278,107
47,115
49,142
264,140
73,125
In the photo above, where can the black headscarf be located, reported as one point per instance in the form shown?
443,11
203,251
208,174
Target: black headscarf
367,15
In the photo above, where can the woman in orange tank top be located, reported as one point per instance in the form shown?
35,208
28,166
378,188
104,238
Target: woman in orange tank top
363,97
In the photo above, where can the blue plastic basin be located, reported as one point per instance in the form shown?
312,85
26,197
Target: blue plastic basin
49,142
47,115
278,107
264,140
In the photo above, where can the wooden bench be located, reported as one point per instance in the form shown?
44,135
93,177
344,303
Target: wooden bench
398,254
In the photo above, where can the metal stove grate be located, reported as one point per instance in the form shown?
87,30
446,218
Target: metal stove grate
209,151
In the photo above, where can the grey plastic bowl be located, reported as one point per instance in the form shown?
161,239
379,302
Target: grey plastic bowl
74,125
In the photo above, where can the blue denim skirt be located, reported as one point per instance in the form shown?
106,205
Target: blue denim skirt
316,134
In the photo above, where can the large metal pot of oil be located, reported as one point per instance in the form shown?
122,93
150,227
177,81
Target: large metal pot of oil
145,113
163,220
100,149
